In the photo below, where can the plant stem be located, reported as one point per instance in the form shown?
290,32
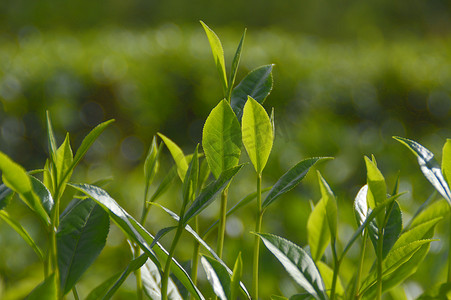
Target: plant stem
258,225
195,262
355,292
75,293
336,269
139,283
380,240
167,267
222,222
449,253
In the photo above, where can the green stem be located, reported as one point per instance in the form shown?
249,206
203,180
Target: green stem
258,225
139,283
222,222
195,263
380,240
449,253
75,293
336,269
167,267
356,289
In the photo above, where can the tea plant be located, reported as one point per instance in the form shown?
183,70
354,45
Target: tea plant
78,234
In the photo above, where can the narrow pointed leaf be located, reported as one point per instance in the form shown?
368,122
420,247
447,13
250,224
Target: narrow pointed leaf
318,232
257,134
218,54
177,155
276,297
17,179
221,139
6,195
51,139
446,161
297,263
217,276
22,232
47,290
377,189
236,277
137,233
330,205
257,84
100,291
81,236
392,229
64,160
88,141
290,179
204,173
164,184
208,194
327,275
161,233
43,194
429,167
151,280
151,164
189,186
235,63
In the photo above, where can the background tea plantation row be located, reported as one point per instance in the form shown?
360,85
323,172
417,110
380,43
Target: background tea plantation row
342,99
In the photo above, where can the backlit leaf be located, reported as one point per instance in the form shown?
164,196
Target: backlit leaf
221,139
257,134
327,275
189,186
151,280
235,63
218,277
43,194
377,190
64,160
151,164
446,160
177,155
236,277
318,232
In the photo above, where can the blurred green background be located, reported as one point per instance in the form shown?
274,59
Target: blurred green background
347,77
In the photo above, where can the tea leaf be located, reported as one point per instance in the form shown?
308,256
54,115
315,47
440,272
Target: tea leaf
177,155
428,166
218,54
297,263
81,236
330,205
136,233
151,164
47,290
236,277
164,184
318,232
257,84
23,233
63,163
446,160
290,179
221,139
17,179
51,139
151,280
235,63
43,194
189,186
161,233
100,291
275,297
209,193
217,276
6,194
327,275
377,190
257,134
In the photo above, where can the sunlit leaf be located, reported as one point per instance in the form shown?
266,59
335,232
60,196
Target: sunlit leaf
64,160
43,194
297,263
429,167
151,280
218,54
446,161
164,184
6,195
177,155
257,134
81,236
290,179
236,277
318,232
221,139
151,164
257,84
377,189
327,275
218,277
235,63
330,205
189,186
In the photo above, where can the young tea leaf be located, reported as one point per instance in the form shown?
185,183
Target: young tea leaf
151,280
257,84
189,186
64,160
6,195
290,179
177,155
218,277
446,161
330,205
429,166
47,290
297,263
327,275
221,139
236,277
257,134
235,63
43,194
218,54
151,164
318,232
81,236
377,190
164,184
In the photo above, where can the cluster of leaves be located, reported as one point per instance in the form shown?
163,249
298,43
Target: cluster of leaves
78,234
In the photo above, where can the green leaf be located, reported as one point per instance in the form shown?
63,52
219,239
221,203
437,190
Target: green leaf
221,139
257,134
330,205
318,232
297,263
189,186
22,232
257,84
81,236
47,290
446,161
327,275
164,184
276,297
64,160
151,164
107,289
151,280
236,277
290,179
177,155
204,173
17,179
43,194
51,139
235,63
218,54
377,190
208,194
218,277
137,233
6,195
429,166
